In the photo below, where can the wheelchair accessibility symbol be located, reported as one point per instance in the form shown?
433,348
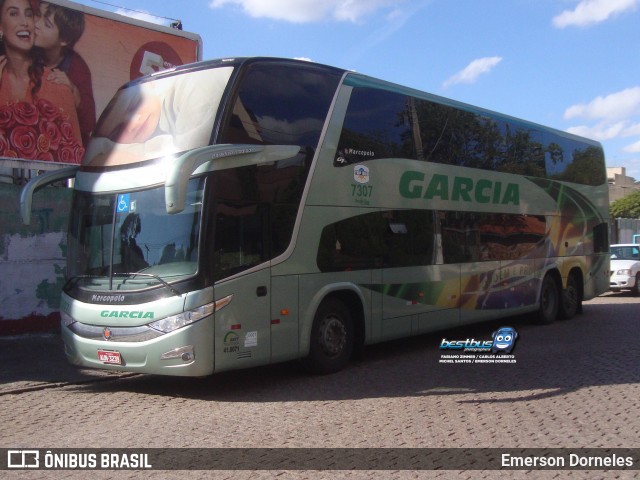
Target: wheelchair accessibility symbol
123,203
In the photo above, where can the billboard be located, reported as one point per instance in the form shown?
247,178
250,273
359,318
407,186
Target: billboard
61,67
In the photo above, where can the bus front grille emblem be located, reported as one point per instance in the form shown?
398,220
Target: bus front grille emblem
106,333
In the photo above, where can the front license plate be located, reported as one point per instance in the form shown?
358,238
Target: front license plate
112,358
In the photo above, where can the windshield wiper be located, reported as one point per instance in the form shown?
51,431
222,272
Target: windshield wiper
155,277
76,279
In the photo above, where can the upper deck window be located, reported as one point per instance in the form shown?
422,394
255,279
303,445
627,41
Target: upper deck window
280,104
159,117
385,124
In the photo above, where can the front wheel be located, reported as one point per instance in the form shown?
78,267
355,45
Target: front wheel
332,337
549,300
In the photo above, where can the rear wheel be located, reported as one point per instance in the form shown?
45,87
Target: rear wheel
571,299
332,337
549,300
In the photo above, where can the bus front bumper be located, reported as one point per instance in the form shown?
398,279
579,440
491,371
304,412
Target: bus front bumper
187,351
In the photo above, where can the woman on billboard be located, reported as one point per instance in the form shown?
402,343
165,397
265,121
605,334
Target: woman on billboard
38,118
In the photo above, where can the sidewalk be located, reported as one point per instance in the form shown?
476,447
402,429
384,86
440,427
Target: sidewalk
37,361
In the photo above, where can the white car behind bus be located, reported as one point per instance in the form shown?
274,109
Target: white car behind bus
625,267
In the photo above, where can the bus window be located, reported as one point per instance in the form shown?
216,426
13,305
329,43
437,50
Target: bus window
280,105
396,238
384,124
572,161
152,119
377,125
255,209
601,238
476,237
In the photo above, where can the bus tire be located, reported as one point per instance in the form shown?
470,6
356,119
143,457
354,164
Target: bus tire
571,299
332,337
549,300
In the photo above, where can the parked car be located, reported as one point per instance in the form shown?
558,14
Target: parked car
625,267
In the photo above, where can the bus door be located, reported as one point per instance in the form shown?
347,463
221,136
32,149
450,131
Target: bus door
243,326
241,267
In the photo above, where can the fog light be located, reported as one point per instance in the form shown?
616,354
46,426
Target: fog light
187,354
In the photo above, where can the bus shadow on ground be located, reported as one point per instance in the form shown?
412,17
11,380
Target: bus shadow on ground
594,348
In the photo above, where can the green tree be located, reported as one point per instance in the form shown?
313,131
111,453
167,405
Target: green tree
626,207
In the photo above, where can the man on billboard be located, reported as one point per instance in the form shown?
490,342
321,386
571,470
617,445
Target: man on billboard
57,31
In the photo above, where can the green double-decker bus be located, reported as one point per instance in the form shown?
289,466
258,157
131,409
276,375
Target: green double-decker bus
240,212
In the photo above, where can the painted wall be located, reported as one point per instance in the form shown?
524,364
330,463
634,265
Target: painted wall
32,259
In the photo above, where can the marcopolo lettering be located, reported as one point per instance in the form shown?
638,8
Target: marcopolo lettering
125,314
458,189
108,298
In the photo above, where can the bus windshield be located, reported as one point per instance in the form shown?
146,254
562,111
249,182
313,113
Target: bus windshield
128,241
158,117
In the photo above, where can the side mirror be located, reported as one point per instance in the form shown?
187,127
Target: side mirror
26,193
217,157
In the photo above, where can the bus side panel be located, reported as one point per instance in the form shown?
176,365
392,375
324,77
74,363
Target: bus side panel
284,318
419,299
497,289
597,281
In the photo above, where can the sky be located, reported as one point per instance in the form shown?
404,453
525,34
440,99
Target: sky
573,65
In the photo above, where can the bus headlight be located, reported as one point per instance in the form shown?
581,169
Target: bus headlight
175,322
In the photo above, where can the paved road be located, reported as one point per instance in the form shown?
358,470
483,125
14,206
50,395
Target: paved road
575,384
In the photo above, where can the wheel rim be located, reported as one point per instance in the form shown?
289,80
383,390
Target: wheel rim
333,336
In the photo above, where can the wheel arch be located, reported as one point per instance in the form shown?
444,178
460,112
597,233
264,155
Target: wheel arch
577,272
352,297
554,272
